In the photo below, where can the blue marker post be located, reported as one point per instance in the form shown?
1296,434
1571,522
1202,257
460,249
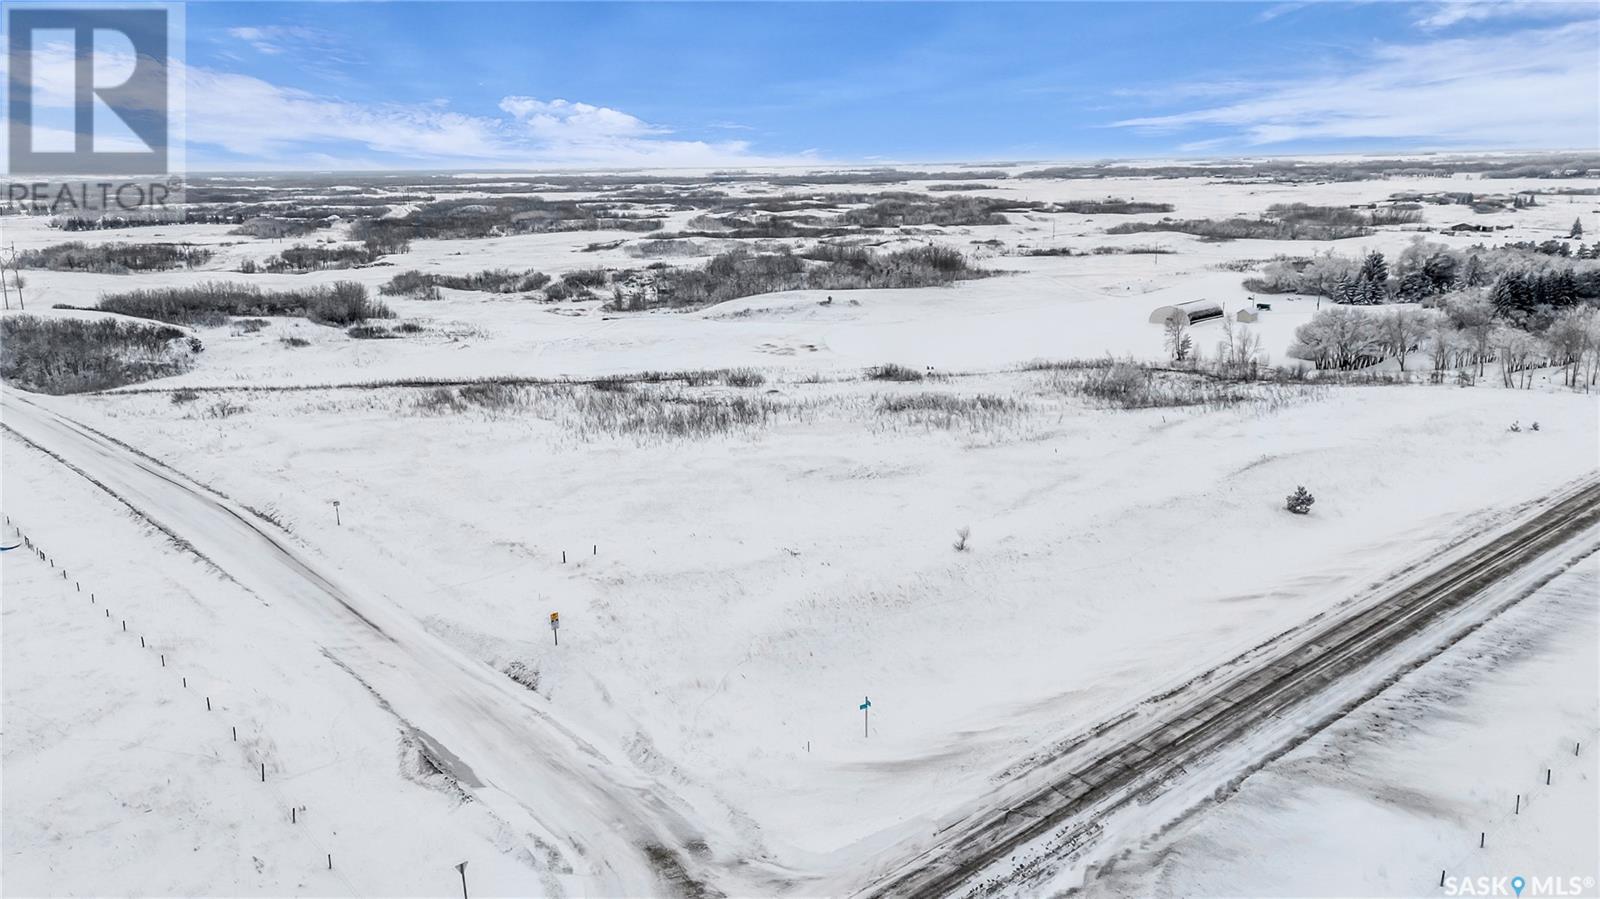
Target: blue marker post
866,710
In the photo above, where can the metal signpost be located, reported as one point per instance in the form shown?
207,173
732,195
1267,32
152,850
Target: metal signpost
555,626
866,710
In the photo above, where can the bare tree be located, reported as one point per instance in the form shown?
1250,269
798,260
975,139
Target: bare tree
1473,315
1239,350
9,260
1570,338
1339,337
1178,341
1444,343
1402,330
1516,350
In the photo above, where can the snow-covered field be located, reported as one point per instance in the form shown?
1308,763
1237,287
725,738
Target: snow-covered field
727,600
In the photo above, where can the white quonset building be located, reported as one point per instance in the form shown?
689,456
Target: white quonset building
1190,313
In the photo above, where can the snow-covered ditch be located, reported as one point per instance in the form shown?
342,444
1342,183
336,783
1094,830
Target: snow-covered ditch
1403,790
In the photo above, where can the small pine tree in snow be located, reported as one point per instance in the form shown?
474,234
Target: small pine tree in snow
1299,502
1577,229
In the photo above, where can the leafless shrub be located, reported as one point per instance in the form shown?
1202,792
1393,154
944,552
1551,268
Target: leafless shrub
1131,385
440,401
743,377
495,396
893,371
71,355
223,409
342,303
612,408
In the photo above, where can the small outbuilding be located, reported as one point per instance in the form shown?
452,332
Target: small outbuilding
1191,313
1252,313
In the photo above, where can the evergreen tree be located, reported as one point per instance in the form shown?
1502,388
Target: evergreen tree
1345,291
1562,289
1299,502
1440,272
1507,294
1473,275
1577,229
1415,287
1374,268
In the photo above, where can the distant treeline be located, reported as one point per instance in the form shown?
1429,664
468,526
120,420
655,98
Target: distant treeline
114,258
1111,206
341,303
741,273
311,258
490,216
1289,170
1292,221
420,285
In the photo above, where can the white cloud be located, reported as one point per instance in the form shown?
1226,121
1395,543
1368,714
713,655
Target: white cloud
275,39
237,120
1279,9
1454,12
571,133
563,122
1531,88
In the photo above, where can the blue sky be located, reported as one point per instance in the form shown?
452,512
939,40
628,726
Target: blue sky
502,85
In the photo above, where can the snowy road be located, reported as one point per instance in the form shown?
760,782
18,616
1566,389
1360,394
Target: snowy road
1180,746
618,830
